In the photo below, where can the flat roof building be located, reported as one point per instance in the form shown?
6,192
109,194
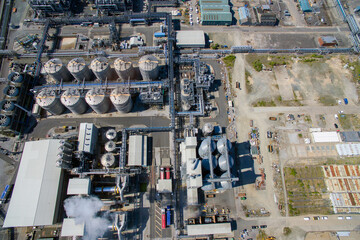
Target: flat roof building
213,229
352,136
216,18
323,137
327,41
137,151
190,39
213,2
87,137
71,229
305,6
79,186
244,15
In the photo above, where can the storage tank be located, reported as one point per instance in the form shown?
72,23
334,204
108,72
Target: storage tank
65,150
223,162
16,79
206,163
185,105
149,67
110,146
121,101
223,144
207,186
74,101
66,144
11,92
57,70
204,147
98,100
64,157
4,121
7,107
111,134
226,184
80,70
102,69
124,69
207,129
50,101
108,160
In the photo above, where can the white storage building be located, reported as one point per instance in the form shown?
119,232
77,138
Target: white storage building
325,137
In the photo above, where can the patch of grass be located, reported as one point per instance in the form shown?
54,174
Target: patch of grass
307,119
258,66
327,100
293,172
261,235
215,46
229,60
286,231
276,63
263,103
345,121
247,81
300,135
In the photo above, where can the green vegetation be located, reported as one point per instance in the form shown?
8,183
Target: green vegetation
263,103
258,66
229,60
293,171
269,61
276,63
247,81
300,135
215,46
327,100
261,235
307,119
286,231
345,121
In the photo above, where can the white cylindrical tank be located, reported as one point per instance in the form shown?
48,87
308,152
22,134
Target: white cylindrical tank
98,100
121,101
207,129
79,69
102,69
124,69
110,146
74,101
222,145
107,160
50,101
207,186
226,184
111,134
206,163
149,67
223,163
57,70
205,145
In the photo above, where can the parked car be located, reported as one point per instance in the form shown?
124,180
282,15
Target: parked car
336,116
263,226
340,218
324,218
348,217
316,218
346,101
306,218
336,126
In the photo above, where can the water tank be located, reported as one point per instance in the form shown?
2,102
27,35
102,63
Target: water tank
98,100
207,129
108,160
111,134
124,69
66,144
11,91
62,164
110,146
4,121
223,144
57,70
102,69
7,107
50,101
122,101
149,67
74,101
204,147
223,162
206,164
16,79
64,157
80,70
226,184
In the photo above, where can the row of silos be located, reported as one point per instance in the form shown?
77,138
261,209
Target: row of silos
77,102
101,68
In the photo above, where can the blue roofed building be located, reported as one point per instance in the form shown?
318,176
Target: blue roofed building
244,15
305,5
215,12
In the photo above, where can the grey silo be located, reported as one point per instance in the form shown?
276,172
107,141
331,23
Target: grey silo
124,69
121,101
149,67
223,163
74,101
102,69
79,69
98,100
50,101
206,145
207,129
57,70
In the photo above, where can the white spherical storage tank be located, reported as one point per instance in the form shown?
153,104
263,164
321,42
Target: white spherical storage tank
107,160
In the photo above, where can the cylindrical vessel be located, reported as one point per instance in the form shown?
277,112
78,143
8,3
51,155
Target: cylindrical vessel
111,134
98,100
80,70
167,173
222,145
206,163
57,70
5,121
223,163
16,79
63,164
50,101
74,101
65,150
124,69
110,146
108,160
65,157
112,189
102,70
7,107
206,145
11,92
66,144
207,129
121,101
226,184
149,67
162,173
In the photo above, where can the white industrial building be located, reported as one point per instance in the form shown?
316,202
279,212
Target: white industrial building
325,137
214,229
190,39
72,229
137,150
348,149
36,195
87,137
79,186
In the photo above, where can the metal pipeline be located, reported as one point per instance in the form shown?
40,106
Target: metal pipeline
113,189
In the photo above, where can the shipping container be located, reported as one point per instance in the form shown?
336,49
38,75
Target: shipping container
159,34
346,101
168,216
167,173
163,218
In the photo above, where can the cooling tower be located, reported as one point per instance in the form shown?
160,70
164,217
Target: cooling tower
102,69
108,160
57,70
7,107
204,147
124,69
223,162
74,101
98,100
207,129
149,67
111,134
11,92
121,101
50,101
16,79
5,121
206,163
80,70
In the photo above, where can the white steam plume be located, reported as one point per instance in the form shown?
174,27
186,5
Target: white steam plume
84,210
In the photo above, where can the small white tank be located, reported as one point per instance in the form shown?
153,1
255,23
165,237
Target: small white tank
204,147
207,129
111,134
110,146
107,160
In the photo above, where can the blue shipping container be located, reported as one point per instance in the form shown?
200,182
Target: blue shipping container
159,34
168,216
346,101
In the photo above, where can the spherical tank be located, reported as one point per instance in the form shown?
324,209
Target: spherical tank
110,146
50,101
102,69
108,160
207,186
74,101
223,164
4,121
98,100
149,67
79,69
207,129
16,78
226,184
124,69
57,70
206,163
11,91
204,147
111,134
121,101
222,144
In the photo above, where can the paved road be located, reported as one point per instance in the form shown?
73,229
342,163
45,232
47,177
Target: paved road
348,109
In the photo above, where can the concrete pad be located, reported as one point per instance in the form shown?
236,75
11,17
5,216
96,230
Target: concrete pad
284,82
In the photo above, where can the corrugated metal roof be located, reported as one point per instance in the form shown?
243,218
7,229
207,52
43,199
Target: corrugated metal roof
190,38
70,228
87,137
137,150
192,196
78,186
213,2
352,136
214,228
348,149
305,6
243,13
214,8
35,194
322,137
216,17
